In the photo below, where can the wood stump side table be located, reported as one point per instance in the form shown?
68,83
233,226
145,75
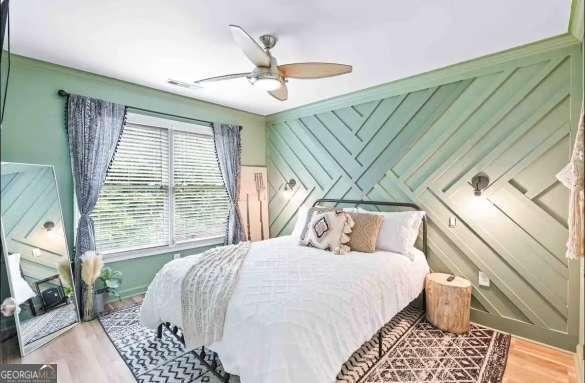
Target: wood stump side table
448,302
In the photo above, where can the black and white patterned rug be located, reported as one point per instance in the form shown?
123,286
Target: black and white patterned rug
413,351
40,326
151,359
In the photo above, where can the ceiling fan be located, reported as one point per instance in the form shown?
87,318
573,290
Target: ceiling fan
268,75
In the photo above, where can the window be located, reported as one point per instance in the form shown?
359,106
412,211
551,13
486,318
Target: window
163,189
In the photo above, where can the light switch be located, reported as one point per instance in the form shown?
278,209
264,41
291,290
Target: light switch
484,279
36,252
452,221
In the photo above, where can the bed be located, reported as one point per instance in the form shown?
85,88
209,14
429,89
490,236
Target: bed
298,313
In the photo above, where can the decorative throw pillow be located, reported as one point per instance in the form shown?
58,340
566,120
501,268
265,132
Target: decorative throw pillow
399,230
328,229
365,232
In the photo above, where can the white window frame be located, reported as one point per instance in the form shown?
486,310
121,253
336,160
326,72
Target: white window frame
137,119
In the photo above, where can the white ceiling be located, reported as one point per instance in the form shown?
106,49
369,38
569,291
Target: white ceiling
146,42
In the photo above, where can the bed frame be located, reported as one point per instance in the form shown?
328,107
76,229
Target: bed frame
213,366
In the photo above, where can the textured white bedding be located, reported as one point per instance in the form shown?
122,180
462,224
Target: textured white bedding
298,313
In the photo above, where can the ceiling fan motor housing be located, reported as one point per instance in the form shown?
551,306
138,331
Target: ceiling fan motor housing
266,73
269,41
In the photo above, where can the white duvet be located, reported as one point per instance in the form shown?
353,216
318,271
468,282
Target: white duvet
297,313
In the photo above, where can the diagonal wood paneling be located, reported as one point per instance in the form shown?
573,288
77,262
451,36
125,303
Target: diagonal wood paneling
424,145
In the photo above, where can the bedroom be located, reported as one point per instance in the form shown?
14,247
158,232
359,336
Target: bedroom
399,185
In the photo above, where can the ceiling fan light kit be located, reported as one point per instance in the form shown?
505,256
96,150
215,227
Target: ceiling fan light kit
268,75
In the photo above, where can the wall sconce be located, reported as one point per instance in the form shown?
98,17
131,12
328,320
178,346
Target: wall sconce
49,225
290,184
479,183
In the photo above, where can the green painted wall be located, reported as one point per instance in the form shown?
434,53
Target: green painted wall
576,20
34,132
421,139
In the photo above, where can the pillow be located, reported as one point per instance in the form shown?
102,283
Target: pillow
399,230
327,229
21,289
301,221
365,231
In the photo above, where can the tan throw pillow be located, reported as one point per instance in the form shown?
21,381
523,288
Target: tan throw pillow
365,232
328,230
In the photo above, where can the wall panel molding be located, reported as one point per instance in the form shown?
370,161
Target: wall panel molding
421,139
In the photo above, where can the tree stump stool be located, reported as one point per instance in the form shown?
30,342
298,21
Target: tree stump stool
448,302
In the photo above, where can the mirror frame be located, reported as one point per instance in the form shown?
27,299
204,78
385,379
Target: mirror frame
26,349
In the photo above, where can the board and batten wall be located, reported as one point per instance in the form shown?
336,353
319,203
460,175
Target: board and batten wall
510,115
34,132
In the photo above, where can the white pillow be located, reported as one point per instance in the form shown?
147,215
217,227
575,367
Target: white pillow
399,230
21,289
302,219
328,229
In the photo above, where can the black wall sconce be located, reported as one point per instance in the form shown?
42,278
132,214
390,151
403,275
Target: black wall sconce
479,183
49,225
290,184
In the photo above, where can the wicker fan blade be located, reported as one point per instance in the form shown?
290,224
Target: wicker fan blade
314,70
281,94
221,78
250,47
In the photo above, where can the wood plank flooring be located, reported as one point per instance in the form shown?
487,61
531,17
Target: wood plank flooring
85,354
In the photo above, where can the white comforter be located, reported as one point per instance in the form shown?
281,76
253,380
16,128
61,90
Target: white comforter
298,313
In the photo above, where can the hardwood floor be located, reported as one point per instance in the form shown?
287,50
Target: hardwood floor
85,354
534,363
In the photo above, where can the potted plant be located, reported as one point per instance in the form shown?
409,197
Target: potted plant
111,280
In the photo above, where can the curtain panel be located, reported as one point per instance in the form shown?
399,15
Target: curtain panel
94,129
573,177
228,149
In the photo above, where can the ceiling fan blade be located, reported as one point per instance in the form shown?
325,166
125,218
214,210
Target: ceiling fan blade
281,94
183,84
220,78
314,70
249,46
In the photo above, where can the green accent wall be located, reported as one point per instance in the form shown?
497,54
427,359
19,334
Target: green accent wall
510,115
34,132
576,20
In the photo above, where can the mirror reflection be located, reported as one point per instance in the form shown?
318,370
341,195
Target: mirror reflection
36,253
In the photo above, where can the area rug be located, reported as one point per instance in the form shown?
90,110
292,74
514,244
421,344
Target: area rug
413,351
38,327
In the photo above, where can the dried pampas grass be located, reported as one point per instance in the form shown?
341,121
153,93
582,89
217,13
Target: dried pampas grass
63,268
91,267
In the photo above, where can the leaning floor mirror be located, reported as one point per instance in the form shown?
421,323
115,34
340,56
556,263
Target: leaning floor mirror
36,256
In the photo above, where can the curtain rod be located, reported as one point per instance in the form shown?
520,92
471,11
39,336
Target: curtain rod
64,93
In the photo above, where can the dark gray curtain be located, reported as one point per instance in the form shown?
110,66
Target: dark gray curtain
228,150
94,128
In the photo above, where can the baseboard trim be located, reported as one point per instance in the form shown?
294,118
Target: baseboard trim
129,293
531,332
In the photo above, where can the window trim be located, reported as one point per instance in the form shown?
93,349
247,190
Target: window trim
137,119
160,250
